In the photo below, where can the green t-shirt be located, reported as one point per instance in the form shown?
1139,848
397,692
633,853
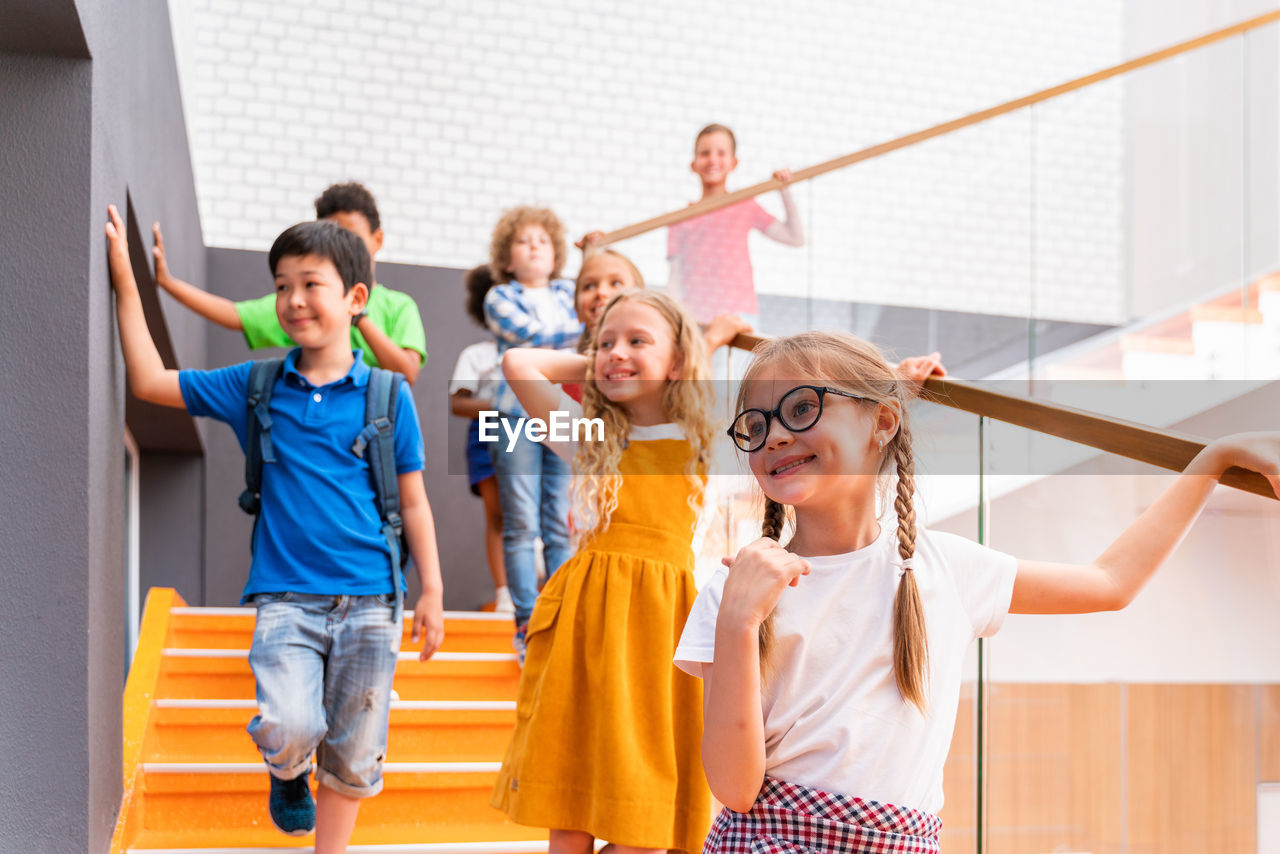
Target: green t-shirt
394,312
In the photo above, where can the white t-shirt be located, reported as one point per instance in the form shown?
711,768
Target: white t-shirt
476,370
833,716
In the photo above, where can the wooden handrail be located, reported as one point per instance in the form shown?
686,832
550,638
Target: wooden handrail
1129,439
716,202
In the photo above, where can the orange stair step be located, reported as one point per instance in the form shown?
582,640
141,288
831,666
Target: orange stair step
416,735
1157,344
1226,314
228,678
232,628
430,803
262,835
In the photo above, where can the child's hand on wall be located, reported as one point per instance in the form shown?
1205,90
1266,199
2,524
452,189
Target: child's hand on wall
117,248
162,266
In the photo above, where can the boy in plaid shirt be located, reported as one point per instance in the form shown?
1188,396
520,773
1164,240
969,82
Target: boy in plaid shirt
532,307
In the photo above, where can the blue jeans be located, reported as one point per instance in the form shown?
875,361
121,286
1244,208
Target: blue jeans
324,667
533,489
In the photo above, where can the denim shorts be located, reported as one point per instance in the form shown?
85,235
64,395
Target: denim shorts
324,667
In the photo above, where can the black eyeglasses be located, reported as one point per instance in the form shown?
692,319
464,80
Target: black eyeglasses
798,410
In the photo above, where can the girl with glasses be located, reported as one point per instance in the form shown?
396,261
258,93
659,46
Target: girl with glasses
831,667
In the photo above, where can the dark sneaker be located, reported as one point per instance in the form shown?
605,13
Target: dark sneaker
517,642
293,810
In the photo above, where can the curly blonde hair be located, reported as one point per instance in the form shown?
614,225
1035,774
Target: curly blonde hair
686,402
509,226
851,364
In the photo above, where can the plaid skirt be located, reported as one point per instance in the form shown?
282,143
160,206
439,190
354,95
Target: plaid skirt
791,819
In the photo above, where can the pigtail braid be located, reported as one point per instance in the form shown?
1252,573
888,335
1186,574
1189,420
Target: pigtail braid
910,642
774,519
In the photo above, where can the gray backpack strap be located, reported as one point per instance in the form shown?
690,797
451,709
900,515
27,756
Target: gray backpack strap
377,444
263,377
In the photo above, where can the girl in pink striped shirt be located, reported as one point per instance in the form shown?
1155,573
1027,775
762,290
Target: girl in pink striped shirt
710,262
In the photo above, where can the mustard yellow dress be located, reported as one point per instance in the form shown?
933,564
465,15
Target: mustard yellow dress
608,731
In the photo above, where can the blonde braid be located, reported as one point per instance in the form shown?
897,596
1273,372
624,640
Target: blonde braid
774,518
910,641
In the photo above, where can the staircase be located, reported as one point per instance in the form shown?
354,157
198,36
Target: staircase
194,782
1234,336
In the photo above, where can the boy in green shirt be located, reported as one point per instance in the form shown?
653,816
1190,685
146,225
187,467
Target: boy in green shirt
389,332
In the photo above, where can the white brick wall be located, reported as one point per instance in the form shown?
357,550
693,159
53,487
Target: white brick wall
452,110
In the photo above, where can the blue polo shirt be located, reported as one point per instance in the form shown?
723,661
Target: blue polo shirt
319,529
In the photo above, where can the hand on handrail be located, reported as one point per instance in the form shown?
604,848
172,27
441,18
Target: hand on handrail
784,176
723,329
916,369
1257,452
590,242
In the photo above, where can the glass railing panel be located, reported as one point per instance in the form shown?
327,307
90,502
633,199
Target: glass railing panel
1076,284
1261,168
784,274
947,448
940,224
1193,217
1145,729
1120,230
648,252
927,248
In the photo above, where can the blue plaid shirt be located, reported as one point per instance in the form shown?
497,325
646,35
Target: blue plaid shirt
518,321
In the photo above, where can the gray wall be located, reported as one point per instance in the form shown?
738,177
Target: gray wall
92,115
241,274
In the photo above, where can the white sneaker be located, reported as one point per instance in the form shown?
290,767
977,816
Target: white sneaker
502,603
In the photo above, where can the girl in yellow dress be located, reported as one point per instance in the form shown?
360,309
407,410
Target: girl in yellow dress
608,732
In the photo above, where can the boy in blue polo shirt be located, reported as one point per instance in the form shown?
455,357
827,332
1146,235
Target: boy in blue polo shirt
326,640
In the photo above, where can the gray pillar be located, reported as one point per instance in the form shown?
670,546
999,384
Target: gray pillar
61,568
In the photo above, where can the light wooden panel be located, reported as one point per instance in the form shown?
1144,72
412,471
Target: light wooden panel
959,825
1115,769
1055,768
1269,734
1192,769
1097,768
